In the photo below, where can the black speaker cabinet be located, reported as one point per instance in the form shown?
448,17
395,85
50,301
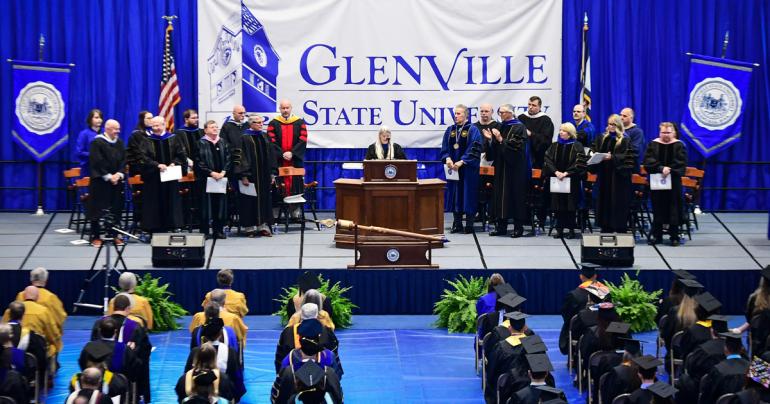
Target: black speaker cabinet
178,250
608,249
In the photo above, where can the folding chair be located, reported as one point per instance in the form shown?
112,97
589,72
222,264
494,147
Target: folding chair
186,193
660,341
584,213
675,363
484,366
82,205
726,398
572,345
697,175
135,185
639,205
622,399
689,186
70,176
602,381
535,202
311,195
289,202
593,361
7,400
580,367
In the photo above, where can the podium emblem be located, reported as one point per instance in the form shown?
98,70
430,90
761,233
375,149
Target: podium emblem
392,255
390,171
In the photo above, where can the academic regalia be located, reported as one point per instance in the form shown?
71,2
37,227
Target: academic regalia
752,396
541,129
83,148
285,386
294,358
89,394
726,377
256,161
117,357
223,384
231,368
39,319
486,182
637,142
500,333
486,303
621,379
574,301
512,175
228,336
28,341
532,395
323,317
293,305
235,302
111,386
506,355
289,135
586,132
462,142
584,320
565,156
613,183
229,319
232,131
212,157
398,152
760,327
107,157
289,340
665,305
190,137
134,147
667,206
50,301
641,396
131,331
161,203
603,362
693,336
141,308
700,361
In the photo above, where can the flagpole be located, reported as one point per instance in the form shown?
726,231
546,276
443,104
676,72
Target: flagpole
40,211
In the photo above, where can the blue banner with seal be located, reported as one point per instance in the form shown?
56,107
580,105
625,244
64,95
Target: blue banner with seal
41,94
717,93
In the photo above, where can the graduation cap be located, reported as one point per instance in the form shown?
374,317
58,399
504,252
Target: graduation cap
205,378
512,300
734,337
588,270
533,344
598,290
549,393
98,352
310,328
647,362
708,302
691,286
212,327
713,347
618,328
606,311
759,371
517,319
682,274
308,280
662,390
630,345
718,322
539,363
310,374
766,273
503,289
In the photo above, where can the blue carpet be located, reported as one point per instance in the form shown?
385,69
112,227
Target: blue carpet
387,359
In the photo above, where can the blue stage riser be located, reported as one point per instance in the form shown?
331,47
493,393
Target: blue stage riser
385,291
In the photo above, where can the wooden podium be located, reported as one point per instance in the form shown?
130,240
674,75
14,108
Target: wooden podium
391,196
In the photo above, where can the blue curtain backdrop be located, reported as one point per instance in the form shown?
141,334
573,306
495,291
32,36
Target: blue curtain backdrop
638,59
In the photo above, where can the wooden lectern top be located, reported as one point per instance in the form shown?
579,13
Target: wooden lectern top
398,171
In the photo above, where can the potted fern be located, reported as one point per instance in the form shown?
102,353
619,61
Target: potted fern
635,305
165,312
342,307
457,308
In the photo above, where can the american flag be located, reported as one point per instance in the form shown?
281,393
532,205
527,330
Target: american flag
169,88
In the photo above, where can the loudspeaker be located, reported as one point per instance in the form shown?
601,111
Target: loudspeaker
178,250
608,249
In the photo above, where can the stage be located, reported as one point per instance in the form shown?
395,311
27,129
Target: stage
726,253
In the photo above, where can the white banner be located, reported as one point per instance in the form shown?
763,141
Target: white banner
349,66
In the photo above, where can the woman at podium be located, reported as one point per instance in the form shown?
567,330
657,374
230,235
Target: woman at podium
383,149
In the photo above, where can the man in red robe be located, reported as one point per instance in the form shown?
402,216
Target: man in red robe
288,135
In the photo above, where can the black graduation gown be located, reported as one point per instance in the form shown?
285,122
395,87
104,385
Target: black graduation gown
36,346
398,152
585,319
613,183
671,326
212,158
621,379
605,361
760,329
190,138
106,158
231,132
256,162
235,388
698,364
289,136
325,306
486,182
640,396
667,206
14,385
693,336
284,387
665,305
755,395
573,302
286,343
569,158
542,131
225,387
512,172
161,203
133,151
498,334
129,363
505,356
143,349
726,377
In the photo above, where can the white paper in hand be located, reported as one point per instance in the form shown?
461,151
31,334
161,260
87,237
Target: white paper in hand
560,186
216,186
660,183
596,158
451,175
172,173
250,189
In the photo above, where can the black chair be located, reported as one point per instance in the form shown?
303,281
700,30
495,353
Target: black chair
726,398
622,399
7,400
676,363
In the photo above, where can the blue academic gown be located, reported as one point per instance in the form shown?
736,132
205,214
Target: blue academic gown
82,148
637,142
589,129
462,195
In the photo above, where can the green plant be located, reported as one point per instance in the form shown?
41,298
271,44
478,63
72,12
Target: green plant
342,307
164,311
634,304
457,308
